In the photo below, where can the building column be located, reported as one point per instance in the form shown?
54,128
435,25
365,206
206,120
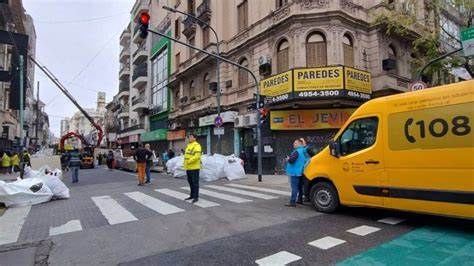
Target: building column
209,132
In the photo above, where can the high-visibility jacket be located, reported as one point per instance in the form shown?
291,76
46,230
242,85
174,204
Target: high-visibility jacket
6,161
192,156
15,160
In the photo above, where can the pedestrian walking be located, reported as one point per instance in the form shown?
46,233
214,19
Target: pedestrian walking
192,165
15,163
149,164
6,163
294,169
26,158
141,155
110,160
74,165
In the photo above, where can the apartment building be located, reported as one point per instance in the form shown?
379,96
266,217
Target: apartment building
16,24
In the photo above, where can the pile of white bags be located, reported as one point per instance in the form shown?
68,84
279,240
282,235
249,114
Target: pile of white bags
213,167
37,187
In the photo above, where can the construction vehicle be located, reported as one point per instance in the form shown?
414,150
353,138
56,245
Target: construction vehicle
87,153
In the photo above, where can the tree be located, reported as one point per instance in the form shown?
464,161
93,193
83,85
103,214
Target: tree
400,20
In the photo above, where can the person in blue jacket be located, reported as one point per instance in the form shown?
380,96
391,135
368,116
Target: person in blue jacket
294,169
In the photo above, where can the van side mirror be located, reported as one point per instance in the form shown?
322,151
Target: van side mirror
334,148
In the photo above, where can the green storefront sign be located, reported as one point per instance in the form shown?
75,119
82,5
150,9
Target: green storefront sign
200,131
467,39
155,135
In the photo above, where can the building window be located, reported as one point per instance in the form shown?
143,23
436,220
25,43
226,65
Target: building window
177,61
205,36
283,55
392,54
159,81
191,6
205,85
243,74
243,15
348,47
192,91
191,50
280,3
177,28
316,50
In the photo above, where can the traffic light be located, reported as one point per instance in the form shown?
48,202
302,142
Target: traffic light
144,22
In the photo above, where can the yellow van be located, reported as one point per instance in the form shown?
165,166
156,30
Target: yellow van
412,152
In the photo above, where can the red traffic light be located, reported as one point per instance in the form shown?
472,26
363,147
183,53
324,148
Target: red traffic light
144,18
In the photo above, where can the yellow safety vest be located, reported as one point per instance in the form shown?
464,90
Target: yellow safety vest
15,160
192,156
6,161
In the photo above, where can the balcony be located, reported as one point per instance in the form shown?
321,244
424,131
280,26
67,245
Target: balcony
124,55
124,92
132,128
140,76
140,55
124,72
123,115
189,26
139,104
204,11
125,37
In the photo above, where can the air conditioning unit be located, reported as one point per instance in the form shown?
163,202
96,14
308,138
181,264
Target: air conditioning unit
251,119
239,121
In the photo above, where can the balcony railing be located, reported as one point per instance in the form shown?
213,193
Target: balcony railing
141,48
204,10
137,100
140,71
132,128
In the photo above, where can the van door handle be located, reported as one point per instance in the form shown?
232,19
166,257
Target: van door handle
372,162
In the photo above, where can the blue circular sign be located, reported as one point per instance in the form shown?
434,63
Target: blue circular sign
218,121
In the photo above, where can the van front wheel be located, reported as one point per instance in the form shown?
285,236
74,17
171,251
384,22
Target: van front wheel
324,197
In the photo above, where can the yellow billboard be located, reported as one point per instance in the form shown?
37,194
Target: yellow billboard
277,85
357,80
309,119
321,78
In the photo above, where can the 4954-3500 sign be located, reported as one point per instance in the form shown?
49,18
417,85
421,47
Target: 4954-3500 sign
321,82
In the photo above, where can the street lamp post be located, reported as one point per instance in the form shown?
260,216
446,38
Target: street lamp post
259,122
218,76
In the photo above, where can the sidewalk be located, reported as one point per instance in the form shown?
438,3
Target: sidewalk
277,181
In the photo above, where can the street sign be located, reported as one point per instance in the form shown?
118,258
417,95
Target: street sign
218,131
218,121
419,85
467,39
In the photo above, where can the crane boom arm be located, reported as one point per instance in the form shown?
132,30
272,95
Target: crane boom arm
70,97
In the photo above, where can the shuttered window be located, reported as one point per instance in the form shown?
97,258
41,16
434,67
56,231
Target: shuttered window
243,75
243,17
348,48
205,85
283,56
316,50
177,28
205,36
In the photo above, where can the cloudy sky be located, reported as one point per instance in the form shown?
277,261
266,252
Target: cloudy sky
78,40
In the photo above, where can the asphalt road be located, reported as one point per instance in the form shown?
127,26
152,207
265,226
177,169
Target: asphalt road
109,220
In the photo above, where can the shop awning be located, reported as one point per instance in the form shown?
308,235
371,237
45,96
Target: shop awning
155,135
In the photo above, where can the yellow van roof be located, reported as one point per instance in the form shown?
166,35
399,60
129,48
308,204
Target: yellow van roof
442,95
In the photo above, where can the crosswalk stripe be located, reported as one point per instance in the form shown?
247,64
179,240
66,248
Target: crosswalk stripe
221,196
71,226
391,220
178,195
112,210
243,192
11,223
153,203
277,259
326,242
363,230
274,191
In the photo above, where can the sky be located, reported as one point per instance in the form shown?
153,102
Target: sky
77,40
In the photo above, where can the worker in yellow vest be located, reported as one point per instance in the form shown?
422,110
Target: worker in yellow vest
15,160
192,165
6,163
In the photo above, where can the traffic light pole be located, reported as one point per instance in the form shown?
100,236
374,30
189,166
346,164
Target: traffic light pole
259,123
218,76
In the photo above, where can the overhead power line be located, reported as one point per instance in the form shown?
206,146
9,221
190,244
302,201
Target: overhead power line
81,20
